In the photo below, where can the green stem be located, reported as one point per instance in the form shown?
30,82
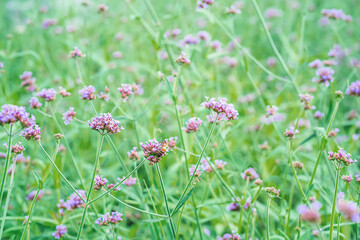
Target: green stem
30,214
323,142
7,161
166,201
294,172
334,204
268,218
91,185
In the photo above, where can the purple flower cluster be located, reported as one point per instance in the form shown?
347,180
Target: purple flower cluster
290,133
126,90
29,81
306,98
347,178
308,214
204,3
318,115
354,88
196,173
133,155
99,182
270,111
109,218
76,53
128,182
273,191
230,236
220,106
183,59
49,22
34,103
250,174
17,148
336,14
155,150
317,63
325,75
220,164
73,202
32,133
192,125
32,195
47,94
273,12
63,92
349,209
69,115
341,156
88,92
105,124
12,113
233,10
60,231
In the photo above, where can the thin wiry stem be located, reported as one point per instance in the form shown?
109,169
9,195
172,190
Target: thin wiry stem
7,161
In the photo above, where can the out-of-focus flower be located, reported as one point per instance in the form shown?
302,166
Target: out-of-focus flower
325,75
290,133
104,123
336,14
220,164
129,181
183,59
354,88
34,103
76,53
230,236
133,155
316,64
88,92
192,125
273,191
310,214
102,8
60,231
63,92
347,178
318,115
47,94
126,90
28,80
99,182
109,218
69,115
305,99
273,12
333,132
349,209
250,174
271,110
298,165
49,22
233,10
32,195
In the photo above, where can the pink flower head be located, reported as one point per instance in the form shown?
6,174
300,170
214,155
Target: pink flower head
32,195
99,182
298,165
49,22
230,236
318,115
63,92
196,173
109,218
129,181
349,209
125,90
333,132
75,201
290,133
317,63
216,44
310,214
47,94
341,156
60,231
250,174
354,89
69,115
325,75
11,114
203,35
205,165
273,191
347,178
191,40
305,99
76,53
233,10
105,124
273,12
34,103
220,106
192,125
88,92
32,133
183,59
133,155
17,148
270,111
154,150
220,164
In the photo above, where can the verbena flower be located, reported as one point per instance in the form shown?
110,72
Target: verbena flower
60,231
133,155
34,103
230,236
109,218
347,178
220,164
336,52
336,14
88,92
349,209
341,156
69,115
273,12
10,114
99,182
317,63
105,124
216,44
196,173
205,165
155,150
75,201
192,125
333,132
47,94
273,191
129,181
32,195
298,165
318,115
63,92
250,174
305,99
17,148
49,22
220,106
183,59
290,133
203,35
233,10
28,80
31,133
354,89
76,53
125,90
310,214
325,75
271,110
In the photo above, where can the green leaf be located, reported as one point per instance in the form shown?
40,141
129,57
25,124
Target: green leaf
182,202
38,180
310,188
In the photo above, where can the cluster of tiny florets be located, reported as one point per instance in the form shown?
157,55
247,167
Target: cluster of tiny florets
192,125
12,114
60,231
324,75
47,94
290,133
250,174
105,124
155,150
99,182
305,99
336,14
220,106
28,81
341,156
17,148
32,133
69,115
109,218
73,202
76,53
133,155
88,92
126,90
354,88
